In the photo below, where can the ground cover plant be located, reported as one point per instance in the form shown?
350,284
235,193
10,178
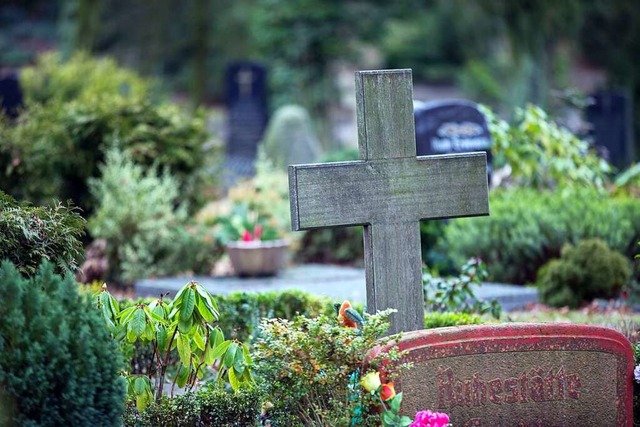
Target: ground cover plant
58,364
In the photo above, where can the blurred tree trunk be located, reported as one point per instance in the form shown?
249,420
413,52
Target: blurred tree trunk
79,25
201,19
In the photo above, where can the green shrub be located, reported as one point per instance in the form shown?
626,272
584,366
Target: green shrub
58,364
440,320
311,367
584,272
145,232
57,143
81,77
544,155
527,228
30,235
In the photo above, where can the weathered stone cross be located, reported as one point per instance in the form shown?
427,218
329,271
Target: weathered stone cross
389,190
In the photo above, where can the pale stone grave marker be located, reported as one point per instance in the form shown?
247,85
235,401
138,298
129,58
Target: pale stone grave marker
388,191
520,375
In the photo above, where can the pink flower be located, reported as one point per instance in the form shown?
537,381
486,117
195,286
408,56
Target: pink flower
430,419
246,236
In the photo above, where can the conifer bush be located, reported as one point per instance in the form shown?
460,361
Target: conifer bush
586,271
58,364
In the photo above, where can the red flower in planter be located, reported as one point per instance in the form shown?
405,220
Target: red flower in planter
246,236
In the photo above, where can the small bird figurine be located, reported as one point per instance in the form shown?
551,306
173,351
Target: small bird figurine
349,316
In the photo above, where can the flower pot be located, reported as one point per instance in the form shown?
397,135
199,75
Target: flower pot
256,257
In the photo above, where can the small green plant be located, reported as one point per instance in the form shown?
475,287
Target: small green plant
312,366
30,235
58,364
584,272
456,293
187,325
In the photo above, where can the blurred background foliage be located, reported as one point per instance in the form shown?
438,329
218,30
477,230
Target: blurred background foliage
501,52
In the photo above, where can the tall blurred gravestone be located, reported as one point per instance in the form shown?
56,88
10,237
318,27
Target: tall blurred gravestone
610,116
290,139
11,100
246,97
445,127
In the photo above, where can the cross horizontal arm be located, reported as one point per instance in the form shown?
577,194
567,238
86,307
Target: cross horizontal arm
388,191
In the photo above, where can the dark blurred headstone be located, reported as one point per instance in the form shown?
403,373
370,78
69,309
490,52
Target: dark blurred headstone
246,94
444,127
611,126
11,100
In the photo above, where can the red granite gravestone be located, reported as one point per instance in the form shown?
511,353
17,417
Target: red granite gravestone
541,375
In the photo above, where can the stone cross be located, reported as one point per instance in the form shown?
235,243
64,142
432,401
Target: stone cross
388,191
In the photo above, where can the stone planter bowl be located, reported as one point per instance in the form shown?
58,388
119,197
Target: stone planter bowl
257,258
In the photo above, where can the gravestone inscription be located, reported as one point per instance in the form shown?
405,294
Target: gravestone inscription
246,95
388,191
444,127
546,375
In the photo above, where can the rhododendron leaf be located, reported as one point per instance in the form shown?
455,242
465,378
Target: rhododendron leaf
188,304
198,340
233,380
220,349
185,326
208,356
184,350
230,355
138,322
204,311
217,337
181,380
139,385
162,338
247,354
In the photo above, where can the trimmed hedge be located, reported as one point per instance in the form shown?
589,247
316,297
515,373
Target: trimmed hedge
528,228
207,407
58,364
